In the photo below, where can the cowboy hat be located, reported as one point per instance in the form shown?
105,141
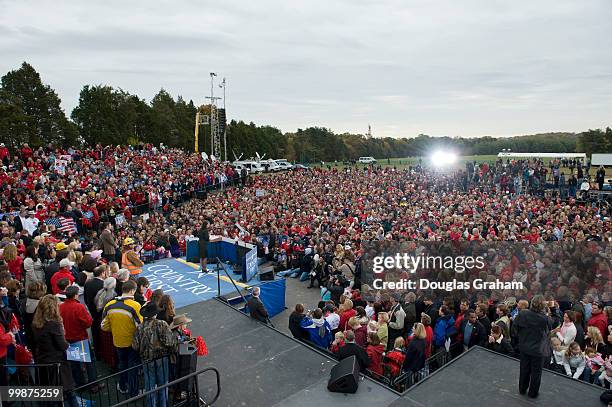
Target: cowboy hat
179,320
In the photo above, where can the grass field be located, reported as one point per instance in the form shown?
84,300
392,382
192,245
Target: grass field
461,160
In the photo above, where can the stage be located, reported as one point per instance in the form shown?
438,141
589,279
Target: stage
261,367
481,377
188,285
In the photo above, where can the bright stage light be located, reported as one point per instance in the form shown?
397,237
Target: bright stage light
443,158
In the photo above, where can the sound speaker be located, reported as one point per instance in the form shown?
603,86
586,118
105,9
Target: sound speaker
344,376
266,275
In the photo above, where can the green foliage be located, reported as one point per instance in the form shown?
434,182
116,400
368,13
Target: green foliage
595,141
30,111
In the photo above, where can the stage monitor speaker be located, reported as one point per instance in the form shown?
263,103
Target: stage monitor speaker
266,273
344,376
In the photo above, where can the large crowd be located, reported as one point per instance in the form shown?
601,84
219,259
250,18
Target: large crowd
77,226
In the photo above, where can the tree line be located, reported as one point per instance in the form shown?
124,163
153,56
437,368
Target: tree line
30,112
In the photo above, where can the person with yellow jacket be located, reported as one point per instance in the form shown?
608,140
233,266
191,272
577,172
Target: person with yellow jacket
121,317
130,259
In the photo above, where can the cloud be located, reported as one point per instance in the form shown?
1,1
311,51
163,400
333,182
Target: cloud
465,68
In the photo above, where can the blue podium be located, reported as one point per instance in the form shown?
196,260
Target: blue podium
227,250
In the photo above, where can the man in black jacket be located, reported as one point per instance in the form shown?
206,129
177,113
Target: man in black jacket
533,327
92,287
256,307
472,331
481,314
352,349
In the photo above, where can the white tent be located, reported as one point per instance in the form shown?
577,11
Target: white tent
542,155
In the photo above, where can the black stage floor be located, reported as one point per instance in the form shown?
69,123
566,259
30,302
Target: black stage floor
484,378
260,366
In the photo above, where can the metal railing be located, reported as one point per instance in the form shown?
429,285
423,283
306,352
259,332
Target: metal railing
105,391
42,374
191,398
221,266
406,380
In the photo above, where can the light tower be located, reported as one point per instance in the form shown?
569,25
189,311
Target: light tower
215,137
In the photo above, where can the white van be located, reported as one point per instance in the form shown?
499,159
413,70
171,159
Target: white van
253,166
270,165
367,160
284,164
239,167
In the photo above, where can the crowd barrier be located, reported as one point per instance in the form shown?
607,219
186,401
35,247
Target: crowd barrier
405,380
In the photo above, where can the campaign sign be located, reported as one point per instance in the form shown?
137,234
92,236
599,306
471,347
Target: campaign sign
79,352
250,268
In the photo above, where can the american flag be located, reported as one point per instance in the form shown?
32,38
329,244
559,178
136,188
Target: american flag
63,224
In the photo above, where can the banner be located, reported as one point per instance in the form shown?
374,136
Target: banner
119,220
79,352
60,166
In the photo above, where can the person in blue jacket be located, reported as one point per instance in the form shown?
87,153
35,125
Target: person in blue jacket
318,329
444,328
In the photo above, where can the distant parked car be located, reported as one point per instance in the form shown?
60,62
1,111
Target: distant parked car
270,165
301,167
284,164
367,160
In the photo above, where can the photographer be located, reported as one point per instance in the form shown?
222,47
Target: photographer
336,286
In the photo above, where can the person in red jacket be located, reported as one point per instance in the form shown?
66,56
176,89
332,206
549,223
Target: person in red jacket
426,321
77,320
63,272
26,152
463,307
375,352
5,155
346,313
396,358
6,339
599,319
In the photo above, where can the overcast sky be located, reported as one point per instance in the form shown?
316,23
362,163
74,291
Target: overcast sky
444,67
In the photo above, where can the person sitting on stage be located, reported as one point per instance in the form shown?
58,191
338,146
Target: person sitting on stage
318,329
256,307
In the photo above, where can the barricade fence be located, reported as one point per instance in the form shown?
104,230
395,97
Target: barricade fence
157,395
405,380
21,375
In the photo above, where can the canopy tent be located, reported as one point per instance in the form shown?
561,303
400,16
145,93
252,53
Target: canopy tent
601,159
542,155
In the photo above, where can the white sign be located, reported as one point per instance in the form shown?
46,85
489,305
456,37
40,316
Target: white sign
119,219
260,192
60,166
